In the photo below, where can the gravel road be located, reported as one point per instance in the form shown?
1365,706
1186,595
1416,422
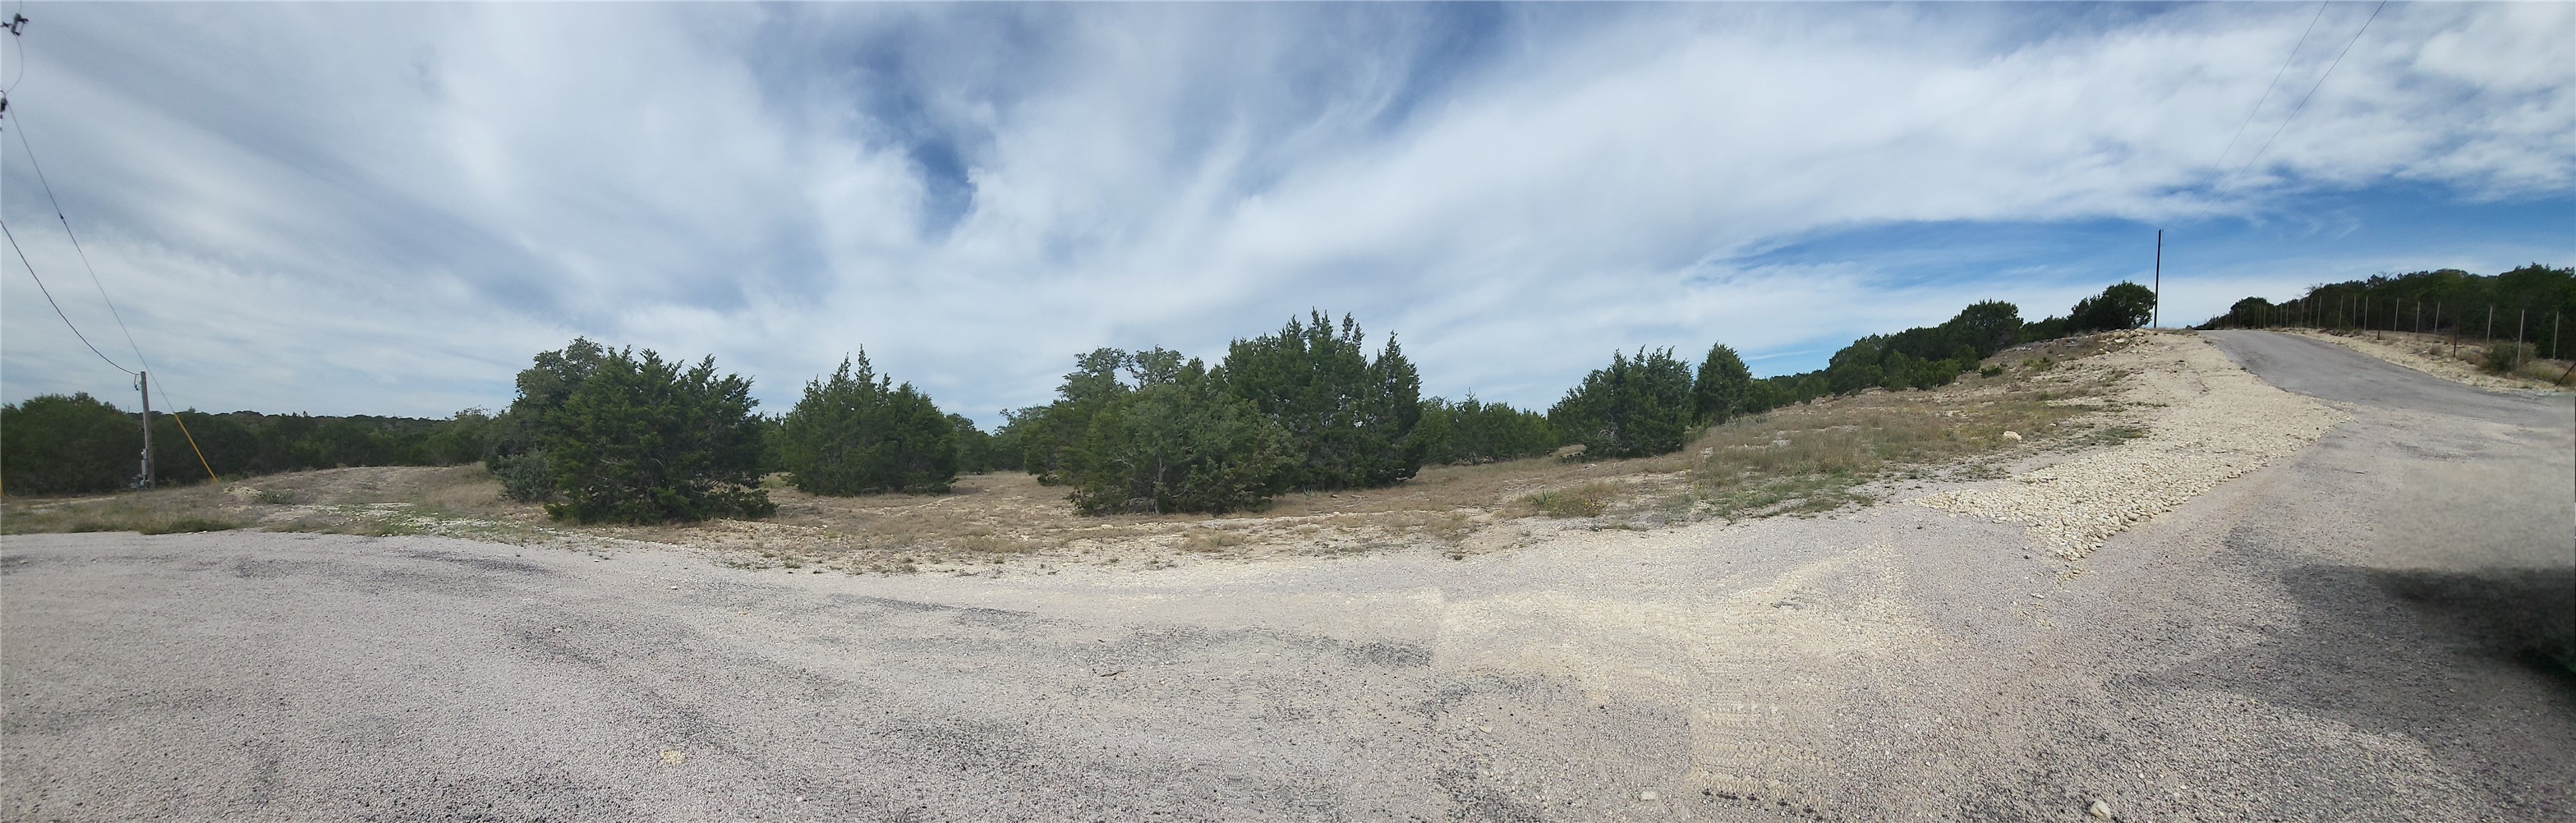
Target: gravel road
2344,634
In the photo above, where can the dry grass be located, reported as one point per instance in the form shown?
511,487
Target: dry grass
1817,458
2461,359
1802,459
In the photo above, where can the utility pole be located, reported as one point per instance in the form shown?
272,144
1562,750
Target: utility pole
2520,318
2490,322
2157,316
143,381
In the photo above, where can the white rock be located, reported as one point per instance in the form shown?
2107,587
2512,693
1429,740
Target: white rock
2013,436
1648,795
2101,810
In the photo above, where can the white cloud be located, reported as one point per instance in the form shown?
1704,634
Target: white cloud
388,208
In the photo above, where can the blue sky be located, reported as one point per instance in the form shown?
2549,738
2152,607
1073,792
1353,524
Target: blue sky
358,208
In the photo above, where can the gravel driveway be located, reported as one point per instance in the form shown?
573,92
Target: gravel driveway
2350,633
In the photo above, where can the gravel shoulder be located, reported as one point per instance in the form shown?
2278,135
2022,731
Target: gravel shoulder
2203,420
2409,350
2344,632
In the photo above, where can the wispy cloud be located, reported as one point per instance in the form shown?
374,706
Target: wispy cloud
388,208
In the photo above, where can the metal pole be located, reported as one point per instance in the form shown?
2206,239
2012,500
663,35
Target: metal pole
143,381
2490,323
2158,315
2519,318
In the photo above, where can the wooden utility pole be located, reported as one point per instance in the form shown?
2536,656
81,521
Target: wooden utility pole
143,381
2157,316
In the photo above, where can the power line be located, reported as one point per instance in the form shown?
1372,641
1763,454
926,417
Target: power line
2312,90
2276,81
49,298
21,123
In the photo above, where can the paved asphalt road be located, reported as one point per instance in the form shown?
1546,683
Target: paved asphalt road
2357,633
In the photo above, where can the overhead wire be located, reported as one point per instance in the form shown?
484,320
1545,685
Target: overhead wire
49,299
2276,81
21,123
2312,90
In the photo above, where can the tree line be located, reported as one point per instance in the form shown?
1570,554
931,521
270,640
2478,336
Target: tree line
597,434
2442,301
74,444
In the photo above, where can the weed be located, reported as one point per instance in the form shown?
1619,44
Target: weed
276,497
395,526
1209,540
1587,500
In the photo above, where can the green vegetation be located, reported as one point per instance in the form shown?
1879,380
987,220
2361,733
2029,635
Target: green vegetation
611,435
1472,431
1813,459
2442,301
1303,409
2122,306
624,438
857,432
1177,441
1587,500
1636,407
1722,389
78,444
1349,417
2504,358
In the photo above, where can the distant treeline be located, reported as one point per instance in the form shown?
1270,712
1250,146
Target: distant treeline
600,434
2537,297
58,444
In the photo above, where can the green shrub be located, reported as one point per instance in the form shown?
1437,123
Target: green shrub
857,433
2122,306
1636,407
1474,431
640,440
1587,500
1046,435
1178,443
2502,358
1990,371
525,477
1722,389
57,444
1349,417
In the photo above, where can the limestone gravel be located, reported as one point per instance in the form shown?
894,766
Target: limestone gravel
2206,420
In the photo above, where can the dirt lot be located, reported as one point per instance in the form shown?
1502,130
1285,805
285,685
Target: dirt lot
2370,627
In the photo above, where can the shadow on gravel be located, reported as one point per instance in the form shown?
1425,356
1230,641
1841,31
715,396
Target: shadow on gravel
2525,614
2400,651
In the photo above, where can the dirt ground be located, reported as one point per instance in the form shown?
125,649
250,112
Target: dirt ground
2366,628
